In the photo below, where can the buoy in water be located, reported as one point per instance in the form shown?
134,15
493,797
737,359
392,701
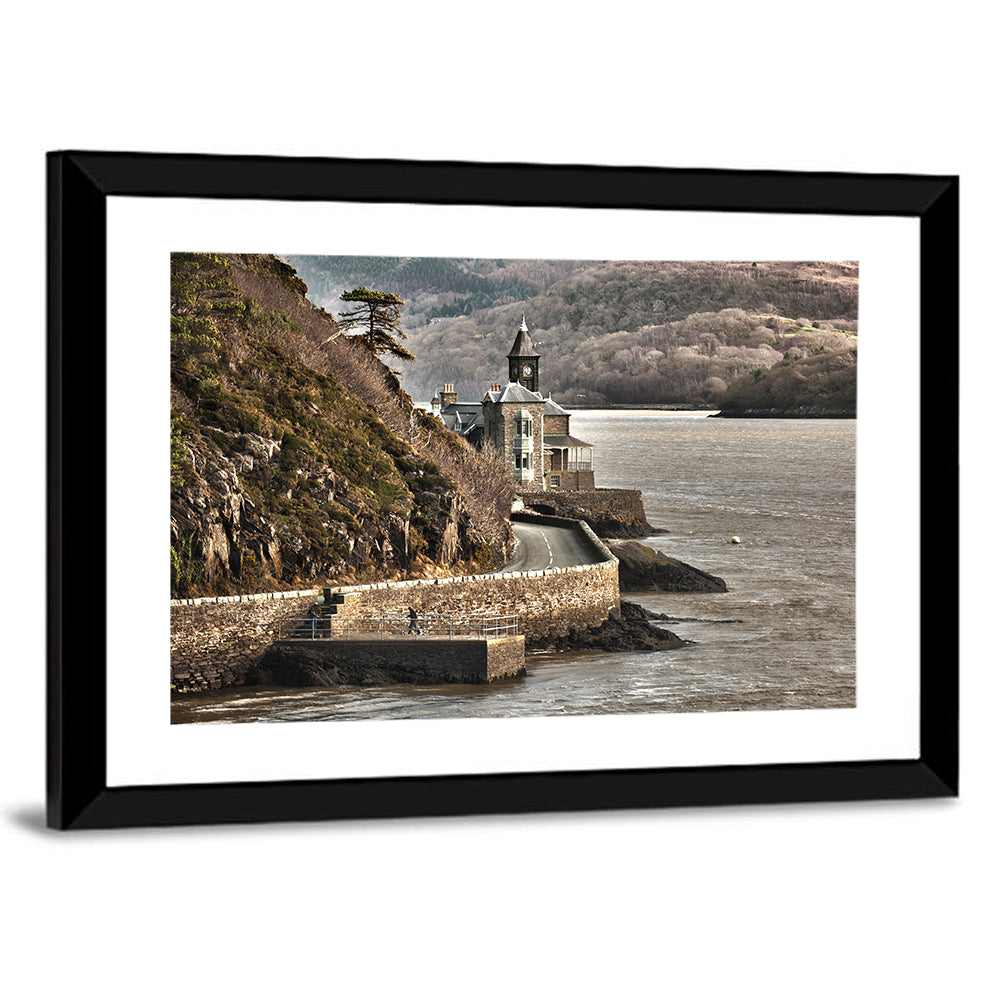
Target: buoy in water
736,539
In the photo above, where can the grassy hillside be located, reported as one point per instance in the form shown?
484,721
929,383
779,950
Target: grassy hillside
611,331
296,458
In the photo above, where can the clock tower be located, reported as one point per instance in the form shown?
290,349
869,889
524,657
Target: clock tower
523,359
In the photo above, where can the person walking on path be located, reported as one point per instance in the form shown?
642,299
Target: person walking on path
413,622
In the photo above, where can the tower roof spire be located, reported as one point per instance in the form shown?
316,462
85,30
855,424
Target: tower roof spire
523,347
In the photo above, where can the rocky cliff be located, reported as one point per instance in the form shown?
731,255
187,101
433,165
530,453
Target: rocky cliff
296,459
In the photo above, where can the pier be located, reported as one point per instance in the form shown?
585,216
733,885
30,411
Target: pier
325,649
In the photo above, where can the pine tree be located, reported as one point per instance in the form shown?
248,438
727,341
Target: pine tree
377,313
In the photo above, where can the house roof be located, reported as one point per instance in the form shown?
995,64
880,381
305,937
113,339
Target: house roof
514,392
463,408
565,441
462,417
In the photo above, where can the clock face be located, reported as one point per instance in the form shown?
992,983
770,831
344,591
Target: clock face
527,369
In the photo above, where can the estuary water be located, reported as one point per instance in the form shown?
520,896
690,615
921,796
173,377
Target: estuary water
781,638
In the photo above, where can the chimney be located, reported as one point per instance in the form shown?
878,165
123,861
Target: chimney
448,394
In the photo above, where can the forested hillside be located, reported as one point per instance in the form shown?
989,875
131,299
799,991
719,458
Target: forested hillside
296,459
703,333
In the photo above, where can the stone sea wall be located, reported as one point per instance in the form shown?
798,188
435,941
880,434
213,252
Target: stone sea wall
216,641
610,513
550,602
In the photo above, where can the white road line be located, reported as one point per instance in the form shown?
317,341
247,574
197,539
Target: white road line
545,538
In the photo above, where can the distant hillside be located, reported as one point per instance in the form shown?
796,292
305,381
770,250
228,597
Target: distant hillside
433,286
296,458
612,331
821,383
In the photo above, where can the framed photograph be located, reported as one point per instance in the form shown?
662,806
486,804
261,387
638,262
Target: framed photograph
621,310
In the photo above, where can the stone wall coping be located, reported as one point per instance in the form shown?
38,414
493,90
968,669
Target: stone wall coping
278,595
363,588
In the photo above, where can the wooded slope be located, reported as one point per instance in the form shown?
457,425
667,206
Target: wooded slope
703,333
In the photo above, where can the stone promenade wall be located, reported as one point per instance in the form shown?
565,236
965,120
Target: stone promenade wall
215,641
550,602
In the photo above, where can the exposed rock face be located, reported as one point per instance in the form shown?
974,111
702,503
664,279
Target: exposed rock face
626,631
643,568
332,530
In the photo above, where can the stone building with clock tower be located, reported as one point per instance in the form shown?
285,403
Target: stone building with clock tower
529,430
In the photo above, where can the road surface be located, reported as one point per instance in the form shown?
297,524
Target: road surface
542,546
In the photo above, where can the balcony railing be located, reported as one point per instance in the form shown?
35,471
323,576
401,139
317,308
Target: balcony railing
449,625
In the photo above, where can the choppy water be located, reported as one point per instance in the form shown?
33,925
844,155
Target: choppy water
782,637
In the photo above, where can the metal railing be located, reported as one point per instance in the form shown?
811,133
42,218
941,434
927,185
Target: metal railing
449,624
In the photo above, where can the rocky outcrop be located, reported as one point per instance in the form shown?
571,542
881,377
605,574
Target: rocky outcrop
625,631
226,529
643,568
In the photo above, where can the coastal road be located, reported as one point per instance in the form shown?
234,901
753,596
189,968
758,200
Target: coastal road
542,546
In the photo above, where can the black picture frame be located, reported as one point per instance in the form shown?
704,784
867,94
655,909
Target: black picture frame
79,184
